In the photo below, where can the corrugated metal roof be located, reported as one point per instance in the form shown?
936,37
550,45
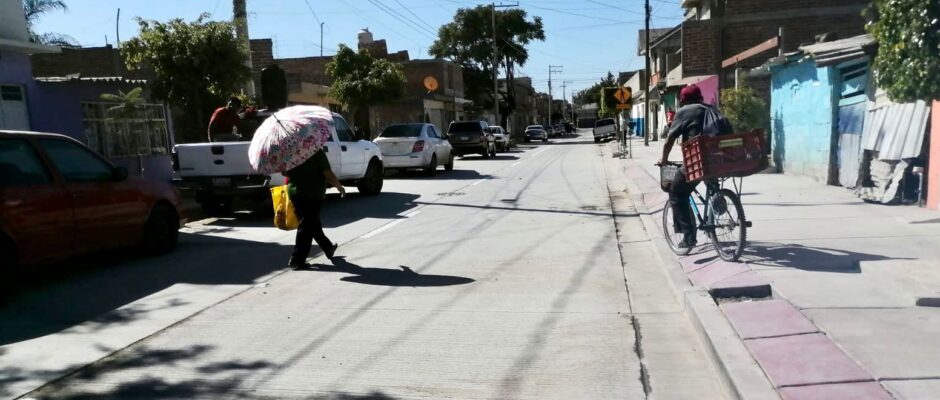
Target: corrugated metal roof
836,51
896,131
71,78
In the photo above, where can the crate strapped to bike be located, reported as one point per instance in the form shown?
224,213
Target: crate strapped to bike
724,156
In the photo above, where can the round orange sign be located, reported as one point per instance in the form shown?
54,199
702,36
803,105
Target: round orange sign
430,83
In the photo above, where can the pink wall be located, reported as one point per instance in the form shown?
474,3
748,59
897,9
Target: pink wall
709,88
933,175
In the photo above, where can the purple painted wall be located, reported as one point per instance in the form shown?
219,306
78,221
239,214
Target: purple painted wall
16,69
57,108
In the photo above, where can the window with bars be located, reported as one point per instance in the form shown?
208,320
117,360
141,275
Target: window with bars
143,132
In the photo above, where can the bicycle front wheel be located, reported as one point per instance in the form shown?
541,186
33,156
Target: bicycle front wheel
673,238
729,226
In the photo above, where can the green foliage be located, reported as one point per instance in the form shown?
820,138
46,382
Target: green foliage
361,80
608,103
127,103
197,65
468,41
744,109
592,94
908,35
33,9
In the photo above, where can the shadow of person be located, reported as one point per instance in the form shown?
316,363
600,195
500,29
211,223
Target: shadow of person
808,258
403,276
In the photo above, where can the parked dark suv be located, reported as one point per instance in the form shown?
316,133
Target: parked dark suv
471,137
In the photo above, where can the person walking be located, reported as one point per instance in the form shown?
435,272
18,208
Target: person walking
688,123
306,188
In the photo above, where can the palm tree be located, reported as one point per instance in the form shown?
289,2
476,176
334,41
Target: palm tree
33,9
127,103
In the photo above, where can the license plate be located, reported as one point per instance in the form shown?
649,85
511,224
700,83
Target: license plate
465,138
221,182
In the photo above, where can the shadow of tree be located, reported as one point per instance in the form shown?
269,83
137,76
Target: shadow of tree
387,277
807,258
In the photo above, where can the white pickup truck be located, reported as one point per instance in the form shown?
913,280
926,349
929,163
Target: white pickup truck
219,172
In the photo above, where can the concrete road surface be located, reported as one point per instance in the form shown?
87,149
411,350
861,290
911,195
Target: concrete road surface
503,279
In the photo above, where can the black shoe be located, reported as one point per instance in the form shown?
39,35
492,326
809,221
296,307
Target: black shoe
331,251
295,264
687,244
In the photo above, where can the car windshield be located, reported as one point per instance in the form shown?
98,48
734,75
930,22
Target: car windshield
402,131
604,122
464,127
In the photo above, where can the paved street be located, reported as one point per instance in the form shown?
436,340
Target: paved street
502,279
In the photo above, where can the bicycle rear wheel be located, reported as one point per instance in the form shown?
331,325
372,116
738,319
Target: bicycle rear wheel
673,238
729,226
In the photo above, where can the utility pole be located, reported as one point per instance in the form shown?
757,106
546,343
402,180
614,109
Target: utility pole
496,63
551,99
564,101
646,107
240,18
321,38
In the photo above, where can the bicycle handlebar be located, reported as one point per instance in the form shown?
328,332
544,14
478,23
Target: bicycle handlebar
673,163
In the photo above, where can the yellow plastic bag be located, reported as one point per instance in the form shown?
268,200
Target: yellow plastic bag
284,216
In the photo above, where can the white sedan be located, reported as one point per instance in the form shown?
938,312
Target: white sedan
415,145
501,136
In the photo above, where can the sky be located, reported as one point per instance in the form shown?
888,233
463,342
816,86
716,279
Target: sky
586,38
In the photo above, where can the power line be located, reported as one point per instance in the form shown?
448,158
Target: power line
419,19
311,11
401,18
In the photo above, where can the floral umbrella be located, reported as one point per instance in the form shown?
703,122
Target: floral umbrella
289,137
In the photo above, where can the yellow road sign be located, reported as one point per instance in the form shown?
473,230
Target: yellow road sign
624,106
623,95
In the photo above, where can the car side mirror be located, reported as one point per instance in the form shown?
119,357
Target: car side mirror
119,174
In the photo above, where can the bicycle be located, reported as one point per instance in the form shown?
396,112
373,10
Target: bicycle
721,216
624,135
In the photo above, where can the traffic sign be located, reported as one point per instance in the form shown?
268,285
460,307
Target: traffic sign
624,106
623,95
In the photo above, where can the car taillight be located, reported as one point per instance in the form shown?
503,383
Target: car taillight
418,147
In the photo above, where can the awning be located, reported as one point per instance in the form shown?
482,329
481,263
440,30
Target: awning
76,78
691,80
837,51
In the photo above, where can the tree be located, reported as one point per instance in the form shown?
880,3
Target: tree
744,109
197,65
908,35
126,103
33,9
361,81
468,41
592,95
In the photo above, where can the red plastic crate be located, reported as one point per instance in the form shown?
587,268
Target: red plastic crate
710,157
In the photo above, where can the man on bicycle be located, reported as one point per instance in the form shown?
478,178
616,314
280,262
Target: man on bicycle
687,124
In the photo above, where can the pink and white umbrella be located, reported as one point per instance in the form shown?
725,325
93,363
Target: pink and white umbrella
289,137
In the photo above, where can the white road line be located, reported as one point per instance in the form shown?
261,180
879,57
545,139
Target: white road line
389,225
538,152
515,164
477,182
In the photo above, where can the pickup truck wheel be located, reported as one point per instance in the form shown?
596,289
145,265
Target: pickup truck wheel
371,184
432,167
450,164
161,231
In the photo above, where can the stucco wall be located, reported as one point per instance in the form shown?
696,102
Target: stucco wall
802,119
16,69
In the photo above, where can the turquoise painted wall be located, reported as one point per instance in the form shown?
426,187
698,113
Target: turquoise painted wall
802,114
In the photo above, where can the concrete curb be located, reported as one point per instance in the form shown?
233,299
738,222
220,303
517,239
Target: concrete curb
741,376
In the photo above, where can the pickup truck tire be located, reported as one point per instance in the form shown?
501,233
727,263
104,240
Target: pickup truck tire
432,166
161,231
371,183
450,164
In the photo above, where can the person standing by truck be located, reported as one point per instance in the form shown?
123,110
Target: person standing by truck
306,188
224,121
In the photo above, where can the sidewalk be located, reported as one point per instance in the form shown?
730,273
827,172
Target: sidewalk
843,319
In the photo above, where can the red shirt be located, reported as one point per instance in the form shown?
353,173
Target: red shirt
223,121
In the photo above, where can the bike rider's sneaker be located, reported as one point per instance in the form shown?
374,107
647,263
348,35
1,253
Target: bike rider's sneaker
687,243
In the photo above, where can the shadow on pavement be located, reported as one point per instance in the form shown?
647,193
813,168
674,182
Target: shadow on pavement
336,212
457,174
387,277
96,293
806,258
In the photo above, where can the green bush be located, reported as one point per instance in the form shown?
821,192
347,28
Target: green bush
908,36
744,109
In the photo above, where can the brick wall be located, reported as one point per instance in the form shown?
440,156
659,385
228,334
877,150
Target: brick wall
699,43
742,7
740,36
308,69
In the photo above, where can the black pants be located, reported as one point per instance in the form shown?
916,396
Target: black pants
679,201
310,229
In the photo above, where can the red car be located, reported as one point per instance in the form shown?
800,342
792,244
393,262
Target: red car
60,200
